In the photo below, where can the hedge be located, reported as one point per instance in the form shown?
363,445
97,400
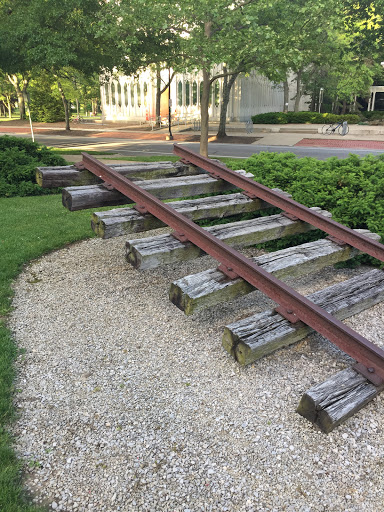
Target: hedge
303,117
352,189
19,158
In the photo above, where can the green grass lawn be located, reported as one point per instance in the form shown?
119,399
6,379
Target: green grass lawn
31,226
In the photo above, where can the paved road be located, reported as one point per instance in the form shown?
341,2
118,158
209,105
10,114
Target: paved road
141,147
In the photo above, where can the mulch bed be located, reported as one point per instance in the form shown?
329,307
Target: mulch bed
125,134
342,143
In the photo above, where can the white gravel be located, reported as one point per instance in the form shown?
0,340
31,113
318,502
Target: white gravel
125,404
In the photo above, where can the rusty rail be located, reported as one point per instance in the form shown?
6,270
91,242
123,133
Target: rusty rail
297,307
254,189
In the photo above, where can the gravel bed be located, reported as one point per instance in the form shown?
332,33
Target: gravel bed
125,404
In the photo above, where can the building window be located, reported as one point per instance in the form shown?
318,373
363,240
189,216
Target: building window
194,93
119,93
126,94
138,95
187,94
113,93
107,95
145,87
180,93
132,95
217,94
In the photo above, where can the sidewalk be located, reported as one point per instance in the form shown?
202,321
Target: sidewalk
360,136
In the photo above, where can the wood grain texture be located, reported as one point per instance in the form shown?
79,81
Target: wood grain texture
151,252
94,196
69,175
195,292
251,338
332,402
122,221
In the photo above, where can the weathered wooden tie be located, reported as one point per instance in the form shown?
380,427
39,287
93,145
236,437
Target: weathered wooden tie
122,221
261,334
71,175
195,292
151,252
94,196
332,402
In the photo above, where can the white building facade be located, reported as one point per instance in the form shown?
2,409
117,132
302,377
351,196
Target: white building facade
134,98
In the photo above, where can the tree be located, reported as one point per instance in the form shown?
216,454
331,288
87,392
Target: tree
143,39
20,83
7,95
60,34
45,102
226,32
192,35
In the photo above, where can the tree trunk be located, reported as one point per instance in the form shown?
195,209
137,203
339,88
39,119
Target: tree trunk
298,90
286,95
313,107
204,113
224,104
204,107
344,109
66,105
335,106
20,86
9,107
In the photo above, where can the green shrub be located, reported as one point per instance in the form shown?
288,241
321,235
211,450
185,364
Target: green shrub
351,189
46,104
303,117
270,118
18,161
373,115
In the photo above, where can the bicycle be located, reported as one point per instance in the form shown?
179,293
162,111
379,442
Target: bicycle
77,119
342,128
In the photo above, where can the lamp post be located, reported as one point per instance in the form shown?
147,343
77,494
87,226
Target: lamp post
170,136
321,98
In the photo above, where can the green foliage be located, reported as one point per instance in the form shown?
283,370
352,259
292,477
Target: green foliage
303,117
375,115
18,161
270,118
46,105
351,189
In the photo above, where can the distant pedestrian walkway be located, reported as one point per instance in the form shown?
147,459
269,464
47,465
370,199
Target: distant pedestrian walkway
337,143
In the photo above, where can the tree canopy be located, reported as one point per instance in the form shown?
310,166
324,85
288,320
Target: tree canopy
342,41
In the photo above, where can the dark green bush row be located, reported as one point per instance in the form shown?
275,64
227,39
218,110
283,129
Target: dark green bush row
18,161
302,117
352,189
376,114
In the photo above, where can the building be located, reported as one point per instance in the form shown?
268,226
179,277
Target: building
376,98
126,98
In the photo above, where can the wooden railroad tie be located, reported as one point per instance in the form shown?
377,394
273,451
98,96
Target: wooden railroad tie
145,253
124,221
72,175
92,185
198,291
95,196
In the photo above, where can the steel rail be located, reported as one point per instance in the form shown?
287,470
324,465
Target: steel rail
254,189
370,357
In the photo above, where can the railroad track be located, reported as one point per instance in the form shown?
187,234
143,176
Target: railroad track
92,184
